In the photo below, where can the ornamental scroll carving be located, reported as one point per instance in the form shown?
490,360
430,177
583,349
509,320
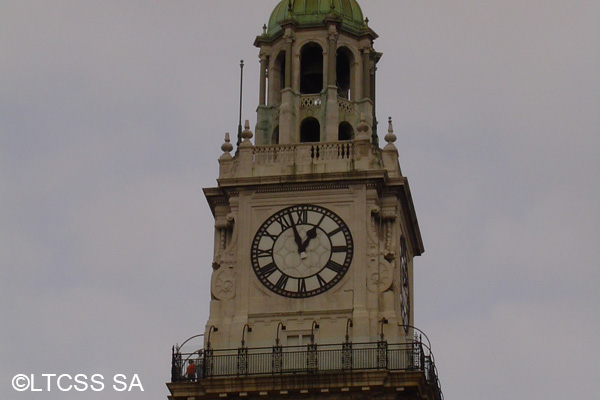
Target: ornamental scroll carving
380,272
223,284
223,276
224,237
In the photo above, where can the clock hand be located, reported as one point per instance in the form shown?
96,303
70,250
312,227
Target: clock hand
310,234
298,240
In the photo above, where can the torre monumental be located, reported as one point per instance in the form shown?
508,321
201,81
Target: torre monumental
315,232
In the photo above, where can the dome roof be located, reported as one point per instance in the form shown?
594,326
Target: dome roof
313,12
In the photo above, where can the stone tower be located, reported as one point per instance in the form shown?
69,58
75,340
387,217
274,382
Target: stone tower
315,230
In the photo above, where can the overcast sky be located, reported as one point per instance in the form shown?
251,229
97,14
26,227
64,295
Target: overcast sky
112,114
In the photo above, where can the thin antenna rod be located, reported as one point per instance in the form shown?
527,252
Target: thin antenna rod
239,136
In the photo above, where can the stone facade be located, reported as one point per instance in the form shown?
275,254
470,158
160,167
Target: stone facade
315,231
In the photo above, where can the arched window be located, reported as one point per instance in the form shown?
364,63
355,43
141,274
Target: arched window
277,81
343,73
275,136
310,130
345,131
311,69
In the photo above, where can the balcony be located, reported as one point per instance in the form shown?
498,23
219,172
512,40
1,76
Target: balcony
310,360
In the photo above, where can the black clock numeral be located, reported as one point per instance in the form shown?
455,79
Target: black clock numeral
301,285
335,267
333,232
321,220
301,217
271,236
283,222
282,282
268,270
264,253
339,249
322,282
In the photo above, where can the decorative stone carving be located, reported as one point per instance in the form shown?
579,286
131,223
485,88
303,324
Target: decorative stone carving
375,210
380,272
224,235
223,284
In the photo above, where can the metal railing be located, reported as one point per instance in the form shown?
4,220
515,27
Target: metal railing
306,359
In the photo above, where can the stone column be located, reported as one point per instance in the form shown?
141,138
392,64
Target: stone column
288,58
332,112
262,98
366,53
332,52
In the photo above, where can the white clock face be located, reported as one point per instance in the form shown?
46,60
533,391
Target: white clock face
302,251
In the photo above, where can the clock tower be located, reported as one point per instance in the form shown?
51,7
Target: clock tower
315,230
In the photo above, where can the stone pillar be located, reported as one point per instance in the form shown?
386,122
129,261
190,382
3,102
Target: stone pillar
332,53
288,57
332,112
262,98
287,109
366,72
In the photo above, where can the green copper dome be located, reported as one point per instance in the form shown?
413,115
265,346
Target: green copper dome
314,12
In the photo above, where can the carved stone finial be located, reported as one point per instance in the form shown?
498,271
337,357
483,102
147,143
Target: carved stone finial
227,146
367,22
390,137
362,127
247,133
264,29
290,5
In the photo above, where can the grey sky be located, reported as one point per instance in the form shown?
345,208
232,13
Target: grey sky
112,115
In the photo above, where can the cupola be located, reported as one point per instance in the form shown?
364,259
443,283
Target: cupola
315,12
317,73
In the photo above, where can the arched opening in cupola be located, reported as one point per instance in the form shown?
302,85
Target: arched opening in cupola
310,130
277,78
345,131
311,69
344,73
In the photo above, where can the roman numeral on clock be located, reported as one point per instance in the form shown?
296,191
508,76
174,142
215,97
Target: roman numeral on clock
264,253
268,270
339,249
322,282
301,217
283,222
333,232
335,267
270,236
301,285
282,282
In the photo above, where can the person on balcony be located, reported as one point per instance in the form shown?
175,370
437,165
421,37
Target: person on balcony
191,371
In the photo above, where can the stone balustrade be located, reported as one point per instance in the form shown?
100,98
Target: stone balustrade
303,153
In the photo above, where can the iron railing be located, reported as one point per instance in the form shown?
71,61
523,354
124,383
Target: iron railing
306,359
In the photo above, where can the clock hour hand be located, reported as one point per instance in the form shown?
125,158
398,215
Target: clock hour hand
310,234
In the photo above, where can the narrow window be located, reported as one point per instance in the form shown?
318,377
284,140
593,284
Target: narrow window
278,79
343,74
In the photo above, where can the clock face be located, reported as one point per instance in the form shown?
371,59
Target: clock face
302,251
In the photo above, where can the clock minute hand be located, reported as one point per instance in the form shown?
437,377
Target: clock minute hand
298,241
